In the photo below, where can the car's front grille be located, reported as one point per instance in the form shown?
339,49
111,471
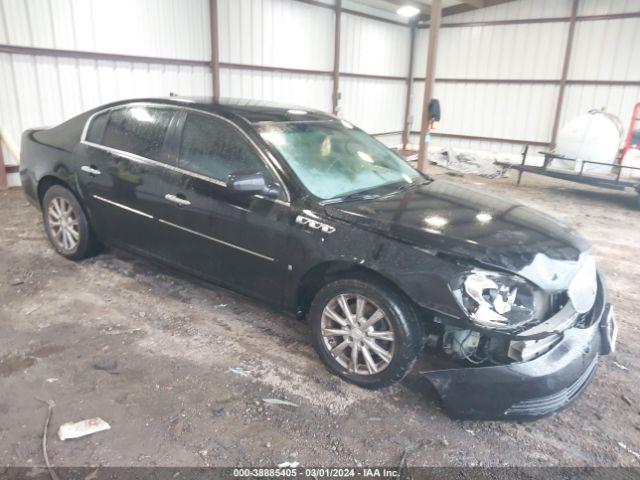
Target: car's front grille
544,405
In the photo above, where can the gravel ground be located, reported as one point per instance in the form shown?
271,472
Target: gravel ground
183,367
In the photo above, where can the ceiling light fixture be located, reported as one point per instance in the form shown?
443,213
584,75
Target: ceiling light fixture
484,217
436,221
408,11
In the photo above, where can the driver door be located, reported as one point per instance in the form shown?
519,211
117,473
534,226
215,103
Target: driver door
237,240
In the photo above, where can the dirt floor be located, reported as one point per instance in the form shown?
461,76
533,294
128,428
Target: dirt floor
180,369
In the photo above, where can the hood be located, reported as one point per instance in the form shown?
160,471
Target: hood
448,218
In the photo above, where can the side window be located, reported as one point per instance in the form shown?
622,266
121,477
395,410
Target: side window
138,129
96,129
214,148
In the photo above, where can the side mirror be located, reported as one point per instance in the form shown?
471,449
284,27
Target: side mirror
252,184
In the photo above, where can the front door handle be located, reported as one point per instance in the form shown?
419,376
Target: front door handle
183,202
90,170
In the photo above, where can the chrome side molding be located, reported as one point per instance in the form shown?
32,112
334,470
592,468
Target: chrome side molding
217,240
90,170
124,207
183,202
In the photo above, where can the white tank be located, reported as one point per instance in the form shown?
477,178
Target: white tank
594,136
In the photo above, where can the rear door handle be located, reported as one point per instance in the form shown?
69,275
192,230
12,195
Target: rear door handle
90,170
183,202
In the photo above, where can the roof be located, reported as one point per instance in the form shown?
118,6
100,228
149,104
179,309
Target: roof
254,111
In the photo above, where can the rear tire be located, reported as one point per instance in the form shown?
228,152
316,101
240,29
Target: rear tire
385,350
66,224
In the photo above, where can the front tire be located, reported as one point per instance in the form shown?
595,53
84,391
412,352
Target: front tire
365,332
66,224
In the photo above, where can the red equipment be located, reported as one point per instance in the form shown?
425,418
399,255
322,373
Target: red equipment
633,135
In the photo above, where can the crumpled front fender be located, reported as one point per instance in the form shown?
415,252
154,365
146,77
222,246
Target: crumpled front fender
529,389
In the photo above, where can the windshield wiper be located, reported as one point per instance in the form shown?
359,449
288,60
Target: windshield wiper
408,186
352,197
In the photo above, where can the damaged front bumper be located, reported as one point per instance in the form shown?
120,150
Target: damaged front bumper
533,388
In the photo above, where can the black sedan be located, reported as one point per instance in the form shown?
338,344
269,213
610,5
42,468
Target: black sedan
307,212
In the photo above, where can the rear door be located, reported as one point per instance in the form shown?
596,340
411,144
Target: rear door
235,240
122,166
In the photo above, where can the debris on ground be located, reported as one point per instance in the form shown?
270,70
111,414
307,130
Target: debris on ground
52,379
50,404
108,365
82,428
403,459
111,331
460,163
288,464
91,475
140,413
16,281
626,400
620,366
218,412
470,432
632,452
179,427
277,401
239,371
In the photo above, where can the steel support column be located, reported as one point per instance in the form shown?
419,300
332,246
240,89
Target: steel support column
335,96
434,28
215,54
407,106
565,72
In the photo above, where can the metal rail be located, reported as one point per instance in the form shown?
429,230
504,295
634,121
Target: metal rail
613,182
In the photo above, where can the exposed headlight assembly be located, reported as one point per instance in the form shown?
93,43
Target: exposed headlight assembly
499,301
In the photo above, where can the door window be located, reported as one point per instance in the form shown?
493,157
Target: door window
213,148
96,129
138,129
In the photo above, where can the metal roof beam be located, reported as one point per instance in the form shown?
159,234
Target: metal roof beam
474,3
467,5
423,7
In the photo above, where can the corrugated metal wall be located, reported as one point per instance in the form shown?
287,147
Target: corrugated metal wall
606,7
603,50
520,9
312,91
276,33
45,90
162,28
500,110
41,90
373,48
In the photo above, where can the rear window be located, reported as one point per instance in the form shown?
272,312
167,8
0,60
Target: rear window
138,129
96,129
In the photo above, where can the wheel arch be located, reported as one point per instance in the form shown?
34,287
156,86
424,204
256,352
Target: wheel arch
319,275
48,181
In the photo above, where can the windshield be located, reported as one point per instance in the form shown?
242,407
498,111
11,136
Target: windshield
335,159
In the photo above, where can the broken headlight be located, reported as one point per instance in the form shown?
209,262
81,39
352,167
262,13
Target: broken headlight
499,301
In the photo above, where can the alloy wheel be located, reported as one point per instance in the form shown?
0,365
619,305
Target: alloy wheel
358,334
63,224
